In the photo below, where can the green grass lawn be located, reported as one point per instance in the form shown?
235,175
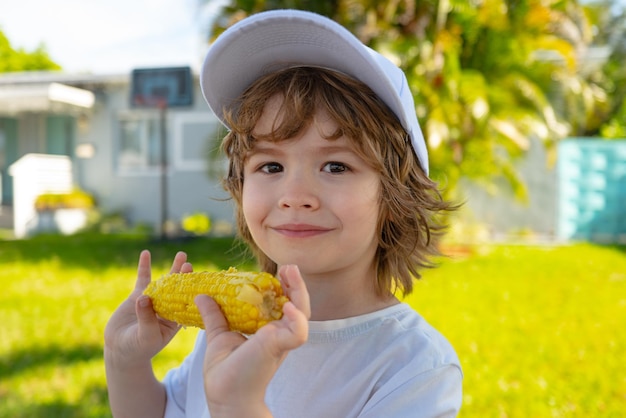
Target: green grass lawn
539,330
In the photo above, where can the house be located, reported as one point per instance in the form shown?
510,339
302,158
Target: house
113,146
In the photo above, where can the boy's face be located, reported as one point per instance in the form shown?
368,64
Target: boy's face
311,201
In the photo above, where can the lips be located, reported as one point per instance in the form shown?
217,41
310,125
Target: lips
300,230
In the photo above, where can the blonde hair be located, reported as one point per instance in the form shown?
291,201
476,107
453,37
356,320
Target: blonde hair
408,223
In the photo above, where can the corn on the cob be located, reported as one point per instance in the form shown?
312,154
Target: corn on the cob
248,300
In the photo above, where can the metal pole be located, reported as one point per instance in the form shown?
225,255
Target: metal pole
163,134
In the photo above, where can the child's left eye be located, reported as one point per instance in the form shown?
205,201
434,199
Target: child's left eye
271,167
335,167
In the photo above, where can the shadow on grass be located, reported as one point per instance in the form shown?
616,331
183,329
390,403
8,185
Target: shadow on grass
91,250
93,404
19,361
618,248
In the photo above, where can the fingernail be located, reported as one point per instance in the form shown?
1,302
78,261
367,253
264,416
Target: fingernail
144,301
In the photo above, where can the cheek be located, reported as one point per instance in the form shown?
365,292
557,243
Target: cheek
367,215
362,207
254,203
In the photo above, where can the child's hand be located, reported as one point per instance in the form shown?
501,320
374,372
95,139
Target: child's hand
134,334
237,369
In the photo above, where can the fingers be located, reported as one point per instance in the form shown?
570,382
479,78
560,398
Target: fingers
145,312
295,288
143,270
292,333
179,260
186,268
143,305
147,320
212,316
157,332
293,329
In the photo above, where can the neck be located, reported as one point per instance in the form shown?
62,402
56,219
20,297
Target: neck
337,298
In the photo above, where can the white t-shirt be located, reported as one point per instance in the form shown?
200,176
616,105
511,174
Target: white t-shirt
386,364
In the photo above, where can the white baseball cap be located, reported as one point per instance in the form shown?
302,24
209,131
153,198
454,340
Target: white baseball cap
270,41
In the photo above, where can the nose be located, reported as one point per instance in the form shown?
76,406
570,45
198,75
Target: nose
299,191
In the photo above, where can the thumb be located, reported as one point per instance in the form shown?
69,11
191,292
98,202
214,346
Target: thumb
146,317
152,327
212,317
295,288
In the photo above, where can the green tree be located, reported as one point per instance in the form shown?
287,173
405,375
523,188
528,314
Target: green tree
609,21
487,75
20,60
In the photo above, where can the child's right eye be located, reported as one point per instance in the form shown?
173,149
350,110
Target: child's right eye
270,168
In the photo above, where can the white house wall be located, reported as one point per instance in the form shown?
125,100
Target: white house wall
189,187
502,214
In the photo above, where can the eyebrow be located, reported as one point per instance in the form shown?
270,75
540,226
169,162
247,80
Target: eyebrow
262,150
325,149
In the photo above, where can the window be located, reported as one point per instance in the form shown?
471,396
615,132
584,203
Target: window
192,143
197,139
139,144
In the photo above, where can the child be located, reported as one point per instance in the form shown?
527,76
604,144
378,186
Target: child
328,168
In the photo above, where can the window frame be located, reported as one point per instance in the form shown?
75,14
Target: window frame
123,170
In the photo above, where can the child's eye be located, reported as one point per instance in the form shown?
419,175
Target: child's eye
335,167
270,168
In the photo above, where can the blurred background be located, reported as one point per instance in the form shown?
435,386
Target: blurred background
107,147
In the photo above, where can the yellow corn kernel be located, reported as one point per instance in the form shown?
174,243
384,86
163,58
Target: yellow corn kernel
248,300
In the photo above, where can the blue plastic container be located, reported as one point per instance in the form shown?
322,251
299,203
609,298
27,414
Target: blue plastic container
592,190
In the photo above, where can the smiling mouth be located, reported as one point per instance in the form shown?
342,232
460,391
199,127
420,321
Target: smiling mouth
300,231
